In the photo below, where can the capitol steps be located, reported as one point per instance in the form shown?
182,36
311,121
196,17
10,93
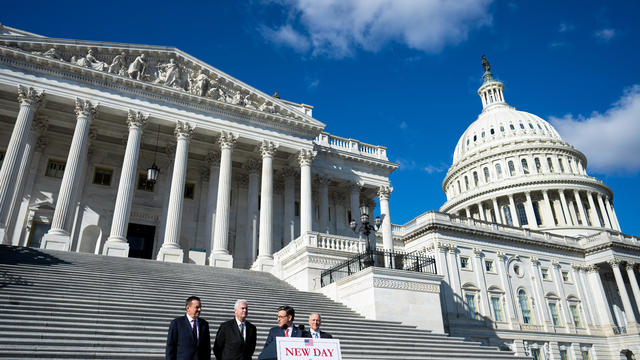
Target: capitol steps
62,305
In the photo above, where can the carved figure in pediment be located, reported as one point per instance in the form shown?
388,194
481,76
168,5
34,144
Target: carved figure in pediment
170,74
237,99
81,61
248,103
118,64
200,84
94,63
138,68
267,107
53,53
216,93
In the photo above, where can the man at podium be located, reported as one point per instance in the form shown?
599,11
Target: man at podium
286,315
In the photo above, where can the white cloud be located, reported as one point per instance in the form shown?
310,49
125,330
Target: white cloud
609,140
403,125
287,36
565,27
605,35
336,28
432,169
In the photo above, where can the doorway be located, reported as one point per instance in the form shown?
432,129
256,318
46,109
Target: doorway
140,238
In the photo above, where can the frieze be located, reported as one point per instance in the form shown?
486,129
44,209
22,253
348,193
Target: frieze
405,285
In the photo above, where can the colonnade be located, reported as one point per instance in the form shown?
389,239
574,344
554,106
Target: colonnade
218,198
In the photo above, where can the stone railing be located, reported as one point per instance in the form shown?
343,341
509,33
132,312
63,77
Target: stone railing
609,236
321,241
351,146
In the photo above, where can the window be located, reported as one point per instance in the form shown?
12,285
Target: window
486,174
561,165
522,214
512,169
102,176
565,276
521,126
464,263
511,127
492,131
525,166
563,354
570,163
550,164
553,308
466,183
498,171
575,314
475,137
524,307
190,189
501,128
538,166
482,134
488,265
535,353
517,270
143,184
296,206
37,232
531,126
475,178
507,215
55,168
585,355
545,273
470,300
536,212
497,308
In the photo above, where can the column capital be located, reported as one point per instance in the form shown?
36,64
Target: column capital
227,140
40,125
136,119
355,186
534,260
289,172
29,96
576,267
501,255
42,143
614,263
85,108
305,157
593,268
183,130
452,247
441,247
477,252
252,165
322,179
267,148
555,263
213,158
629,266
384,192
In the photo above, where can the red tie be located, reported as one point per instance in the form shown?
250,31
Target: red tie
195,329
286,333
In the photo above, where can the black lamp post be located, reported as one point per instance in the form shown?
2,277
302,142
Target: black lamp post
365,227
154,170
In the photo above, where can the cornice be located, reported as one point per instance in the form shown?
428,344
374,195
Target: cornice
357,157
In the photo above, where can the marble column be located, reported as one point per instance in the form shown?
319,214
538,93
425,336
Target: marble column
531,217
600,298
565,209
548,212
354,200
220,254
543,308
506,285
583,214
585,296
289,221
612,216
323,195
264,262
564,311
58,237
171,251
496,211
622,290
481,211
29,100
305,157
634,284
467,212
384,192
592,209
213,159
36,135
455,284
116,244
253,168
479,270
603,211
514,214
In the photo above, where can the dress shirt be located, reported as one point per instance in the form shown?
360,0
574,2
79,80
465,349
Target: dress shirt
191,324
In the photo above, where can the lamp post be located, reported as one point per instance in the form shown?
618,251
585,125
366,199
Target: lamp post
365,227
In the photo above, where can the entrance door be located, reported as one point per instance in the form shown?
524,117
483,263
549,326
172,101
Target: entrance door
140,238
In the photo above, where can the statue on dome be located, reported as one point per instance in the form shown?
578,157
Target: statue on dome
485,64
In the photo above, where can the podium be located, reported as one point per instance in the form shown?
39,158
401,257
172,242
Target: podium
288,348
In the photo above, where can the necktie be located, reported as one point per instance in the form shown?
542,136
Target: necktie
195,329
315,335
241,328
286,333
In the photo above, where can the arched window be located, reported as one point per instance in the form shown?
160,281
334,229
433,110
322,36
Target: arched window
521,126
466,182
536,213
507,215
459,190
538,166
512,169
525,166
492,131
522,214
482,134
511,127
550,164
531,126
525,309
501,128
475,178
486,174
498,171
561,164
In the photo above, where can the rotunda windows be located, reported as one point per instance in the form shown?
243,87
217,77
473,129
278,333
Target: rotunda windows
492,131
483,134
512,127
498,171
501,128
512,168
475,178
525,166
531,126
475,137
521,126
522,214
486,174
561,164
550,164
538,166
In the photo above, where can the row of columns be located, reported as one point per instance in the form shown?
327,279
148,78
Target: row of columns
566,215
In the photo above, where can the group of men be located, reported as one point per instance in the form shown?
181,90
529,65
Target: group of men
189,337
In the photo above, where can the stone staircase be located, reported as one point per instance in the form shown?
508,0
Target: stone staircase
82,306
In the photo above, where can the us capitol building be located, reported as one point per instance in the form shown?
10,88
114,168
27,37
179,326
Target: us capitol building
145,151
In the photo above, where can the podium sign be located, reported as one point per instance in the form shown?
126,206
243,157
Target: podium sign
308,349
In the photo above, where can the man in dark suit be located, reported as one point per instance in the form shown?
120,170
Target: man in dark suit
236,338
189,337
286,315
314,328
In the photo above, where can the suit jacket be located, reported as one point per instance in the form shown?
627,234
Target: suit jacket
323,334
269,350
182,345
229,344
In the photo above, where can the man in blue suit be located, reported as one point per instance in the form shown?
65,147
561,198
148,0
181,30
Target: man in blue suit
285,328
189,337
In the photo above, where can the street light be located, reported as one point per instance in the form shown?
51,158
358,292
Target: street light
365,227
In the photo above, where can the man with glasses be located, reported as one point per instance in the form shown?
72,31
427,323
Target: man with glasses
286,315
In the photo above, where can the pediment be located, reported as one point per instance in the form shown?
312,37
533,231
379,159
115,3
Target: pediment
165,70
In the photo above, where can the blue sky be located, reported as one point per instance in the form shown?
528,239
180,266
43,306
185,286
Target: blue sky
403,73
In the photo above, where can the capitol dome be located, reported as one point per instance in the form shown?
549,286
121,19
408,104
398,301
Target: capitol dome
512,167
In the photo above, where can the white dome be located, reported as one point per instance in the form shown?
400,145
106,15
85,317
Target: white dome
501,123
